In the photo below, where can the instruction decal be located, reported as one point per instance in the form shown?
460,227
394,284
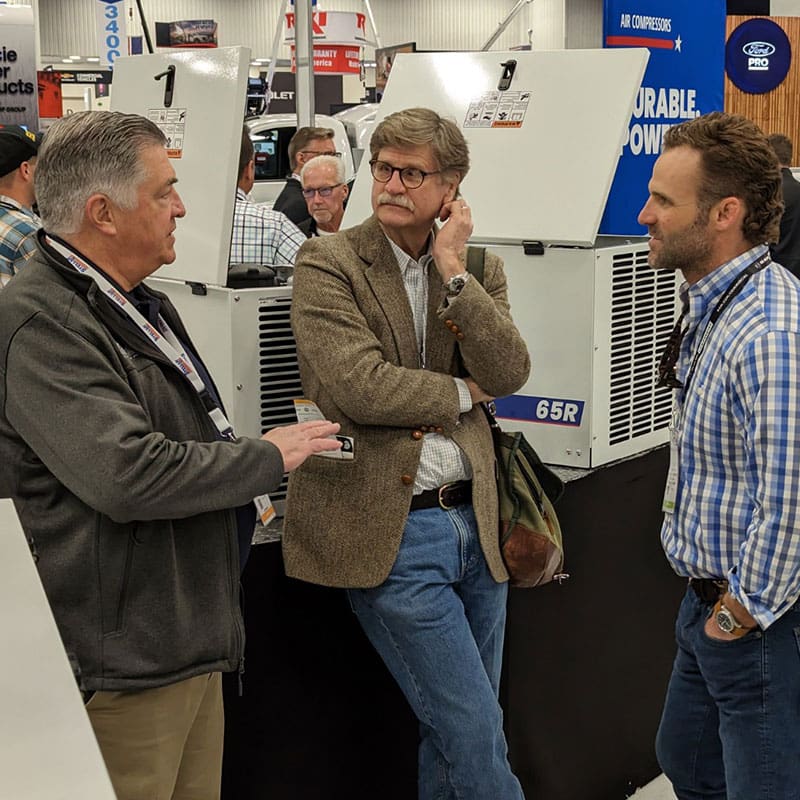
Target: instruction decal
498,110
172,122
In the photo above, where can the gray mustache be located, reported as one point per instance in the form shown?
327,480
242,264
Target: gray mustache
386,199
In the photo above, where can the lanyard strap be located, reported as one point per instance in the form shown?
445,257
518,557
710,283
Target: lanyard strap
163,338
735,286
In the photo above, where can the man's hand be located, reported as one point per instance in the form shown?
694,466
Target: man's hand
742,615
297,442
451,238
713,631
476,393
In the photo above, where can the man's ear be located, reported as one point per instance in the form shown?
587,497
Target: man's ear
453,181
100,214
26,170
346,192
728,212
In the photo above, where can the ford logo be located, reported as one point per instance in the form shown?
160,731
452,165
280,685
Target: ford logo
758,49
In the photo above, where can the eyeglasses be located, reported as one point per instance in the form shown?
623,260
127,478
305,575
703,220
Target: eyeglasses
410,177
325,191
335,154
667,377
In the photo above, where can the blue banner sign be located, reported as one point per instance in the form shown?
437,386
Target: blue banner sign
684,79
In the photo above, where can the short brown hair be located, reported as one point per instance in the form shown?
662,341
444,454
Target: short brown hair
420,126
303,138
737,161
246,153
782,145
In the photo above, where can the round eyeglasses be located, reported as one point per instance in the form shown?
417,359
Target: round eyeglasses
325,191
410,177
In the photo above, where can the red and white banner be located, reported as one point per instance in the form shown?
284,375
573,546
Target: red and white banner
335,59
333,27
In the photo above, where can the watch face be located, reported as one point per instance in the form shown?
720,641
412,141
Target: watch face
455,285
725,621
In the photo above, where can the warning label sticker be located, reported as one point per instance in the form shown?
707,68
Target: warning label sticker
498,110
172,122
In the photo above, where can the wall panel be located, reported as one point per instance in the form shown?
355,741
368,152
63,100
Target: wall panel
584,24
67,26
777,111
548,20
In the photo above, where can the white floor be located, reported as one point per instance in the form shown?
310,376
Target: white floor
659,789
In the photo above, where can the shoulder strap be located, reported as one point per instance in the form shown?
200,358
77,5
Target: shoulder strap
476,259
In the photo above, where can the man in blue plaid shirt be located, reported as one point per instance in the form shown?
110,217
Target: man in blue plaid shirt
18,222
730,729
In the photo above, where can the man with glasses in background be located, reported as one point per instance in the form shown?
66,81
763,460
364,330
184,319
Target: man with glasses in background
325,192
400,346
306,144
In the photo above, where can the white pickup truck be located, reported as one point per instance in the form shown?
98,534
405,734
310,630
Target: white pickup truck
271,134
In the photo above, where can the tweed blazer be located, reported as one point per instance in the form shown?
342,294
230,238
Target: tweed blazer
359,362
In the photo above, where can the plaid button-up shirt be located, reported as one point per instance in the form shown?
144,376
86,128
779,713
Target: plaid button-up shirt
442,460
261,235
737,510
18,226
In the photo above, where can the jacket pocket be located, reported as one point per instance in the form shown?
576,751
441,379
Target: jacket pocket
116,569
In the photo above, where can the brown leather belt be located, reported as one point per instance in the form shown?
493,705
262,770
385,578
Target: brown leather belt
448,496
709,590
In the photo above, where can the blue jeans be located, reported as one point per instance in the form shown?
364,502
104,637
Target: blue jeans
438,623
731,723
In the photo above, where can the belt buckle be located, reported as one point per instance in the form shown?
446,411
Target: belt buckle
442,490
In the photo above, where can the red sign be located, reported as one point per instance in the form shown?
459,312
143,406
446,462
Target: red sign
340,27
335,59
50,102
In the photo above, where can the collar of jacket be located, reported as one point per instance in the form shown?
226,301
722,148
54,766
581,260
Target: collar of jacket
369,242
107,313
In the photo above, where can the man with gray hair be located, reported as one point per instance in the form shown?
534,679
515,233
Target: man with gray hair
325,192
307,143
397,343
123,468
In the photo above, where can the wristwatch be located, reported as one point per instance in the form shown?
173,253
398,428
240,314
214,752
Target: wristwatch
456,283
726,622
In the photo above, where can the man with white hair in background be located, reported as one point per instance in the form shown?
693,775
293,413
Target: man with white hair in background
325,192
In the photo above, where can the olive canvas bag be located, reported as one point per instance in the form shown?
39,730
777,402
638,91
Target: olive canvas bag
530,533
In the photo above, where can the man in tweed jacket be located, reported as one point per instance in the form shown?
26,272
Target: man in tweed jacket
398,344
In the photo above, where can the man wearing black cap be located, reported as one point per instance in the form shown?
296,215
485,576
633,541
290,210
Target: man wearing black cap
18,222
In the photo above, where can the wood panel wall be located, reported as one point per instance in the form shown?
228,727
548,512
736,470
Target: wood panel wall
777,111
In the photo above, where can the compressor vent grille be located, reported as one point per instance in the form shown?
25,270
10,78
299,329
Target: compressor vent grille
278,374
642,316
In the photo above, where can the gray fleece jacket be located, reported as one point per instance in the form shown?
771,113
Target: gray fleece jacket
117,475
